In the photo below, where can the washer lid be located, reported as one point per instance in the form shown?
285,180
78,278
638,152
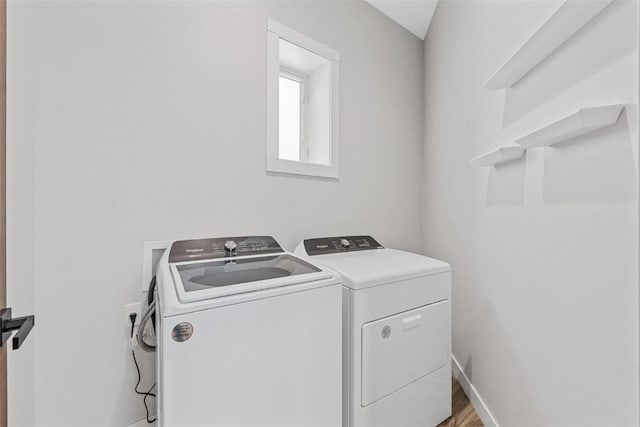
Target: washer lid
364,269
221,277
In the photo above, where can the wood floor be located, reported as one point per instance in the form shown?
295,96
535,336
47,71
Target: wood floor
463,414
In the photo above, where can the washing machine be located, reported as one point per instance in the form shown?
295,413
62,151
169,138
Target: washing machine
248,335
396,332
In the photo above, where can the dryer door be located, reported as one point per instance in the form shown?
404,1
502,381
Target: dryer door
403,348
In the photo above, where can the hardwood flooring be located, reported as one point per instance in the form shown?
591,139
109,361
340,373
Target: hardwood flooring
463,414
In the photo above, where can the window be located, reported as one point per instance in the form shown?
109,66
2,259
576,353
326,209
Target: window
302,104
291,120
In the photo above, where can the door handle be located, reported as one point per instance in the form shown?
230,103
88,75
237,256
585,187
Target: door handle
22,325
411,322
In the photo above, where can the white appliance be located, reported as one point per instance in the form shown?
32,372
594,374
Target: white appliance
397,332
248,336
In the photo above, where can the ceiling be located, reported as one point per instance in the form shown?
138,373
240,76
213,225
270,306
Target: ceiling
414,15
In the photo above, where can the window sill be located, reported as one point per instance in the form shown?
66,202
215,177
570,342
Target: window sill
298,168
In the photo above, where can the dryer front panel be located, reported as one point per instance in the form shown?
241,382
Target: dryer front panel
400,349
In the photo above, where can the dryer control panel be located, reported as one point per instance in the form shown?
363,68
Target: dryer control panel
332,245
222,247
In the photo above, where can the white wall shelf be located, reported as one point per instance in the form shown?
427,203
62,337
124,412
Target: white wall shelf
560,27
499,155
584,121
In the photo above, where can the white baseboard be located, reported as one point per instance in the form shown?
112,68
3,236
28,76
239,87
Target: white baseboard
471,392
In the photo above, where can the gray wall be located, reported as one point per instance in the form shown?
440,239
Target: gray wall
543,250
134,121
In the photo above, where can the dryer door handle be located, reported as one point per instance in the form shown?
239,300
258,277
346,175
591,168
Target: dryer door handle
411,321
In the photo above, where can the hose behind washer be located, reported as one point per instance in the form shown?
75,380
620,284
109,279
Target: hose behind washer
149,314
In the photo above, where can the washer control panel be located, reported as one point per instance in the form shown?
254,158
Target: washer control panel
222,247
332,245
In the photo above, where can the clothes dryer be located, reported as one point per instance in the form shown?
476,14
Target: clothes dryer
396,332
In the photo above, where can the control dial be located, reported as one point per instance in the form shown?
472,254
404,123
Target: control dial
345,243
230,246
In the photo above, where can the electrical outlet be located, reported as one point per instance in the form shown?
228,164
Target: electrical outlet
128,309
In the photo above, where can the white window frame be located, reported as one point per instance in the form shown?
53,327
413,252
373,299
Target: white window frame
276,31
